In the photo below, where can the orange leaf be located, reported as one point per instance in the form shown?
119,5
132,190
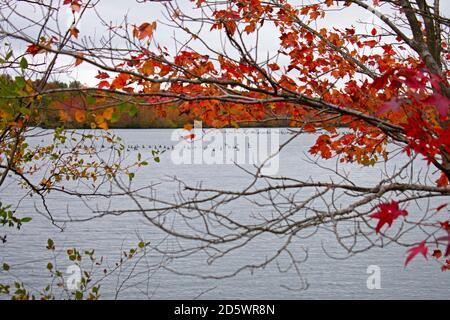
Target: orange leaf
79,59
442,181
103,126
108,113
63,116
145,30
274,66
74,32
314,15
80,116
250,28
76,6
309,128
120,81
346,119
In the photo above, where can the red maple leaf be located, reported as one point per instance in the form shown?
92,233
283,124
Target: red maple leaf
437,254
387,213
440,102
102,75
34,49
393,105
446,238
442,206
190,136
435,81
445,225
383,80
415,79
421,248
442,181
103,84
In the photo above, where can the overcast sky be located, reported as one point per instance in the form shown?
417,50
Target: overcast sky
137,13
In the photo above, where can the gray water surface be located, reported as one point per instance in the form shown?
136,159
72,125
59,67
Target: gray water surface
327,278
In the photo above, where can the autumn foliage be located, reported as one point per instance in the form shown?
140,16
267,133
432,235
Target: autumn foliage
385,84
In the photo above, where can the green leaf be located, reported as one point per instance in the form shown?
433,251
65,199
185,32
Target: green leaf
133,111
78,295
23,63
91,100
141,244
157,159
20,82
115,117
8,55
50,244
26,219
122,107
50,266
5,267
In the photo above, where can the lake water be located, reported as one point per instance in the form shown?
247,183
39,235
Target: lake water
321,276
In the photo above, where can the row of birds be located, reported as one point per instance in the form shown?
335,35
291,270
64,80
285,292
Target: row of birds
163,148
191,146
136,147
159,148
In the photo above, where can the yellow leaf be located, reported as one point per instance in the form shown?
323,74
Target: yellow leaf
3,114
99,118
148,68
29,87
